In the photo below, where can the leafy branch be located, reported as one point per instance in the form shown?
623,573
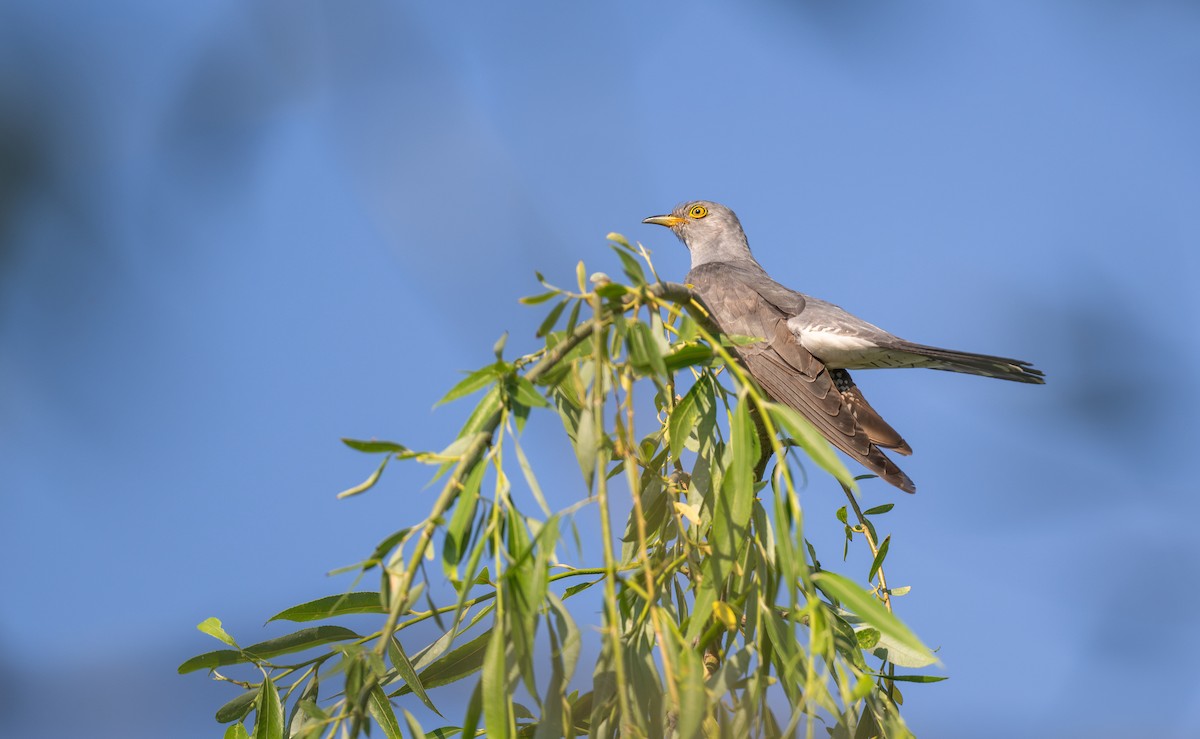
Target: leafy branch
717,616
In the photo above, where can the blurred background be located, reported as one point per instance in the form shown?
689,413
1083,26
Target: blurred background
231,233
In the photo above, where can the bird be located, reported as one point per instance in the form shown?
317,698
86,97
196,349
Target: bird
807,345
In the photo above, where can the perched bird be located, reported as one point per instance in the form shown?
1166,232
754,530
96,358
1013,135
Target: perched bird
808,344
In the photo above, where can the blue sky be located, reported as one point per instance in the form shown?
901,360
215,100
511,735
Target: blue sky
232,233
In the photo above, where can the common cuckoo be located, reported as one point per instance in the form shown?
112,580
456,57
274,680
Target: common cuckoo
807,345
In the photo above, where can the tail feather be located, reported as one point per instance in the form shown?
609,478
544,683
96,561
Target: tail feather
987,365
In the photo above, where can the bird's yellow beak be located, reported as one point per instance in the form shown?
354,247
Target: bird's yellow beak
668,221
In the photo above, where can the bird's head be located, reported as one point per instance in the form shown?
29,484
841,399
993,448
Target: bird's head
710,231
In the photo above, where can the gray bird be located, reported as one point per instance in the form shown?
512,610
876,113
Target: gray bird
810,344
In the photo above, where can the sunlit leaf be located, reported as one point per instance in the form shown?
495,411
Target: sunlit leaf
725,614
878,509
212,627
237,731
872,612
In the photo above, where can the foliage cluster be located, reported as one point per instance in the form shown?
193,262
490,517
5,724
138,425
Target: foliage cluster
718,618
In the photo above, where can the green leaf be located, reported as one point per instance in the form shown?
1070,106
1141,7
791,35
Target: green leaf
406,672
644,351
300,640
564,656
683,421
586,445
523,391
268,719
878,509
551,319
331,606
809,439
542,298
301,721
367,484
209,660
580,588
458,530
414,727
732,508
688,355
376,447
238,708
381,711
867,638
871,611
473,382
880,555
497,708
212,627
912,678
237,731
630,267
454,666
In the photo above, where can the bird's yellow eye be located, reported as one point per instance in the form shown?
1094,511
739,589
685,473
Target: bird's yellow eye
697,211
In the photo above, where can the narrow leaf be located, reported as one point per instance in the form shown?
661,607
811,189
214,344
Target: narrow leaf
381,711
330,606
497,708
871,611
535,299
683,420
880,555
414,727
376,447
209,660
236,709
268,719
474,381
879,509
404,669
551,319
300,640
454,666
368,483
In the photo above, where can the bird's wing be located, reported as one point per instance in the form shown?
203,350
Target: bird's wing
788,372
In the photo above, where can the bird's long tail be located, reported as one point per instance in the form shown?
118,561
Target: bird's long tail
975,364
